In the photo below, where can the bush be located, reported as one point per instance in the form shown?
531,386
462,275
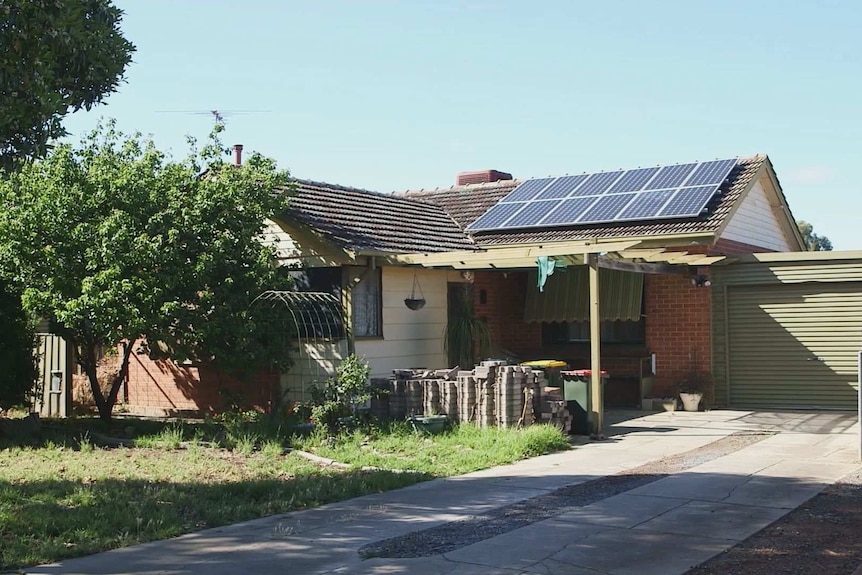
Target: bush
17,351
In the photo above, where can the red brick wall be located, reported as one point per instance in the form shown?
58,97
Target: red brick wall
678,328
165,386
506,294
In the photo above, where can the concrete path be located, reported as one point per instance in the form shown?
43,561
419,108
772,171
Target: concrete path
664,527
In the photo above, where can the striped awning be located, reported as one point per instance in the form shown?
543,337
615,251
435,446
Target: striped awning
566,296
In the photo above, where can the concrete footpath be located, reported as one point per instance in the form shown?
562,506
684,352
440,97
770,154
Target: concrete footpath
663,527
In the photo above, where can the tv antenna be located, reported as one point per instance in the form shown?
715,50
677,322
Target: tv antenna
217,115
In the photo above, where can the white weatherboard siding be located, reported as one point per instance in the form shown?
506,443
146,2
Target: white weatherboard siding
410,338
314,362
298,249
755,223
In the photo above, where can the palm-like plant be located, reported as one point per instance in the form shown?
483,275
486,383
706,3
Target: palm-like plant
466,336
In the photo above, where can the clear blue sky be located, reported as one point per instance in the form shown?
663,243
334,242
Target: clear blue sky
401,95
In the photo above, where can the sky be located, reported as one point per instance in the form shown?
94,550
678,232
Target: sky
397,95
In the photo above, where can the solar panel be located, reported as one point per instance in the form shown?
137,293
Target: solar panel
531,214
688,201
679,191
670,177
633,180
597,184
710,173
494,218
645,205
568,211
606,208
528,190
562,187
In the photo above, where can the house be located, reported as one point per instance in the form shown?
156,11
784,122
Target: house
680,293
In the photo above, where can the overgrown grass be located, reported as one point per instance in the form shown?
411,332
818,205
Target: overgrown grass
63,497
463,449
58,503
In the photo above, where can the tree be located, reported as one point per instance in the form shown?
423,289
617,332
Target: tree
120,246
16,350
814,242
56,56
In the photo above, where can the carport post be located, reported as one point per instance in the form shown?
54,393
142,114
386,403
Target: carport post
595,349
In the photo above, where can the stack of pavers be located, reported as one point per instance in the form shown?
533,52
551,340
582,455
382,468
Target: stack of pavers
554,409
493,394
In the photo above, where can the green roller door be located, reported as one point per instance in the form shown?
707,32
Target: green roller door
794,345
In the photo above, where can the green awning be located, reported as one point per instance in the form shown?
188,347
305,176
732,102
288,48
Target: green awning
567,296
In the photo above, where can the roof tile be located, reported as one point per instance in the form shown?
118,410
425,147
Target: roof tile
366,221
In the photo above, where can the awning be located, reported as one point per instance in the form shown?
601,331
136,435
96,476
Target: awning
567,296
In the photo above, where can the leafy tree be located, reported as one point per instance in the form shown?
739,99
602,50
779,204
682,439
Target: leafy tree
814,242
56,56
119,245
16,350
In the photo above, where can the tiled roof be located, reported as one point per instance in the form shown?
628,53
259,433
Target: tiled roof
365,221
466,203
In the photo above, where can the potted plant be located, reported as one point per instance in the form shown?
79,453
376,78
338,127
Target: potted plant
696,386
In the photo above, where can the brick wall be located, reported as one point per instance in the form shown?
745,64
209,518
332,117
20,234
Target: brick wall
164,387
678,328
505,299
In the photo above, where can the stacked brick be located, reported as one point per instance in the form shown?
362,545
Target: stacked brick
490,395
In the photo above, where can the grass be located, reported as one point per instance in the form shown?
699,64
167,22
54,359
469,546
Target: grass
65,497
461,450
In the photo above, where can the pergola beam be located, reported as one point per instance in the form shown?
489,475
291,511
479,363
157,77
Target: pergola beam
527,254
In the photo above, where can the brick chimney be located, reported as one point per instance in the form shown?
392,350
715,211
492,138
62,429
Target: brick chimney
237,155
481,177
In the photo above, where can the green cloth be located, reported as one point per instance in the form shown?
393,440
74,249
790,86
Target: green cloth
546,269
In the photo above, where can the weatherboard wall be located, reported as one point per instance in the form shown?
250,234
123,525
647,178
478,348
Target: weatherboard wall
756,223
410,338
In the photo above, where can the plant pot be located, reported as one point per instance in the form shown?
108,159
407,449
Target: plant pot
429,423
690,401
415,303
669,404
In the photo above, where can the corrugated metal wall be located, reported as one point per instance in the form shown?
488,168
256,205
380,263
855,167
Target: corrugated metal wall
786,334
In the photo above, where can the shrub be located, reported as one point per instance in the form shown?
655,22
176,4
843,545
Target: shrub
17,355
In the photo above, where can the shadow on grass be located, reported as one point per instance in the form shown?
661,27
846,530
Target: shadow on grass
42,521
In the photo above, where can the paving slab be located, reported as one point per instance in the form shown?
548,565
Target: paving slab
625,510
521,548
716,520
421,566
633,552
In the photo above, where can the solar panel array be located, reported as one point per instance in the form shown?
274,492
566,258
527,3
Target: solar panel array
679,191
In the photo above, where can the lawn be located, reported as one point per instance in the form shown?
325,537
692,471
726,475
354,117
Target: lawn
65,498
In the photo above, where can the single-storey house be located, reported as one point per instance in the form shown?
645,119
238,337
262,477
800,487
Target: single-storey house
701,272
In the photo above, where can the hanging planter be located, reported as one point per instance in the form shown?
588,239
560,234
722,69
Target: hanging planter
416,300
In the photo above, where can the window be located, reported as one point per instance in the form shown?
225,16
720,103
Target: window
367,302
579,331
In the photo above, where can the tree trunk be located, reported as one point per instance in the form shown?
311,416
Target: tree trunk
87,360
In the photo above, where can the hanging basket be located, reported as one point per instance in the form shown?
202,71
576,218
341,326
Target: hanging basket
416,300
415,303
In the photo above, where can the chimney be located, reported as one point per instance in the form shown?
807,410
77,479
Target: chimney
481,177
237,155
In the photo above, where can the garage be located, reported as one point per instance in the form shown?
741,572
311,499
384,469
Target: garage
787,329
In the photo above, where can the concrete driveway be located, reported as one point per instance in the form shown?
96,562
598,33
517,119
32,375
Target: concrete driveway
664,493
